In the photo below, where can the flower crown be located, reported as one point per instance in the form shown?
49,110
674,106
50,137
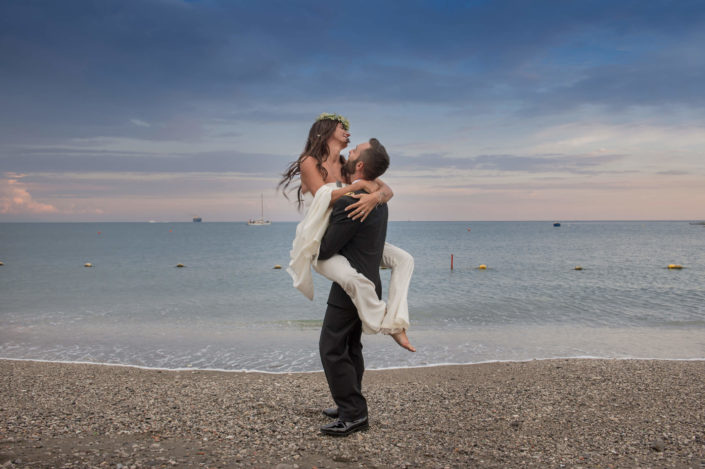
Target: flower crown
335,117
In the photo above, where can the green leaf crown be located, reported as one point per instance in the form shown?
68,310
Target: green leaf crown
335,117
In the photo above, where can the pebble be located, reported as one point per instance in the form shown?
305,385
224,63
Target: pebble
531,414
658,445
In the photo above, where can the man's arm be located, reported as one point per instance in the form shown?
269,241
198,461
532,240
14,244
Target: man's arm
340,230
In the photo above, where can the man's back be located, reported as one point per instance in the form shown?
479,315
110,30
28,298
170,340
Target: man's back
361,243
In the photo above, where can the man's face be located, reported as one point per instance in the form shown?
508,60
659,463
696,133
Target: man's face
341,135
354,155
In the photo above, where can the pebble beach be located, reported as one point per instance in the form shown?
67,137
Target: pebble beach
552,413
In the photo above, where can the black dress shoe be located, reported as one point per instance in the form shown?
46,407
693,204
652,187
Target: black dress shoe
331,412
343,428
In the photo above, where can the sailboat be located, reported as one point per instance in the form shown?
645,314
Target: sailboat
260,221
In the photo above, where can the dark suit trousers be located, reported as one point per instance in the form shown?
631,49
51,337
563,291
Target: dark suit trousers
340,346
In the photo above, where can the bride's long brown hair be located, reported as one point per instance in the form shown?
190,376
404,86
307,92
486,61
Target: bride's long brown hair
317,148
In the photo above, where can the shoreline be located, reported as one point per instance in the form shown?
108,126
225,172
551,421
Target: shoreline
411,367
541,413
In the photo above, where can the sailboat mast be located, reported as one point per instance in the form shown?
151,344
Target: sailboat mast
260,221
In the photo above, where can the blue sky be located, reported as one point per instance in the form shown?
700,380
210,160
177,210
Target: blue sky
490,110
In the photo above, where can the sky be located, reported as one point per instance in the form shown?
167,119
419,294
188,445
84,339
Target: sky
126,110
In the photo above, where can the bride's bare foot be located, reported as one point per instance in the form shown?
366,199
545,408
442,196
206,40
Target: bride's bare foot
403,340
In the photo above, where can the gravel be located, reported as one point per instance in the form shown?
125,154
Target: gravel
552,413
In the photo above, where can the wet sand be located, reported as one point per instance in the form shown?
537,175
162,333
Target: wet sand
554,413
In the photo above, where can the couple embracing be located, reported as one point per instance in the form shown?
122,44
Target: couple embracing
342,237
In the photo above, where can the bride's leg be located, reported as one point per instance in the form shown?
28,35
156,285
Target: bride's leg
361,290
396,321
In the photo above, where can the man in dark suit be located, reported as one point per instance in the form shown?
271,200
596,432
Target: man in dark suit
361,243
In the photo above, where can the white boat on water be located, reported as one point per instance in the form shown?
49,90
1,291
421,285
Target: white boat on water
260,221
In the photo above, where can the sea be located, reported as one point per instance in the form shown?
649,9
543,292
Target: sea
230,308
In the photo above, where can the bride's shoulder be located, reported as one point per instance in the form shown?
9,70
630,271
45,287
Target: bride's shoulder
308,161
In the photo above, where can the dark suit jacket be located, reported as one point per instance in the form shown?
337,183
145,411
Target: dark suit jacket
362,245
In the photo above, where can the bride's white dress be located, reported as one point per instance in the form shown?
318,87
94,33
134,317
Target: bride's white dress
376,316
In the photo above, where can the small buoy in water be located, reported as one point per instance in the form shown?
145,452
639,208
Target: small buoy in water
277,266
675,266
1,263
482,267
87,264
180,265
577,267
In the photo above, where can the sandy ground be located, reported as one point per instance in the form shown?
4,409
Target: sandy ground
556,413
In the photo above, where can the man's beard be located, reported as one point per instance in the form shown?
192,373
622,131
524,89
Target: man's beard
349,167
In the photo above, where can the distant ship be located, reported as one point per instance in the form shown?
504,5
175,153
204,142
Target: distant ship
556,224
197,219
260,221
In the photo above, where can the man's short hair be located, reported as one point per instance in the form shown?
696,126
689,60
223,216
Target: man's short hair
375,159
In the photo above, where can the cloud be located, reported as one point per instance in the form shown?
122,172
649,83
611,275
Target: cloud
632,137
140,123
16,199
673,173
138,89
108,62
67,159
555,163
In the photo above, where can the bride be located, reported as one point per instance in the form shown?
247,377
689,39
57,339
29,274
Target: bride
323,181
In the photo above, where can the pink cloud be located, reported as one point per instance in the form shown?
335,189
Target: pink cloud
16,199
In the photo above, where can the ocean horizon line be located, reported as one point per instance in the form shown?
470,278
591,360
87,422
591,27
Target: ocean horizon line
190,222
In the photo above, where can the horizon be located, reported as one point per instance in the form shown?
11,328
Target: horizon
490,110
390,221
